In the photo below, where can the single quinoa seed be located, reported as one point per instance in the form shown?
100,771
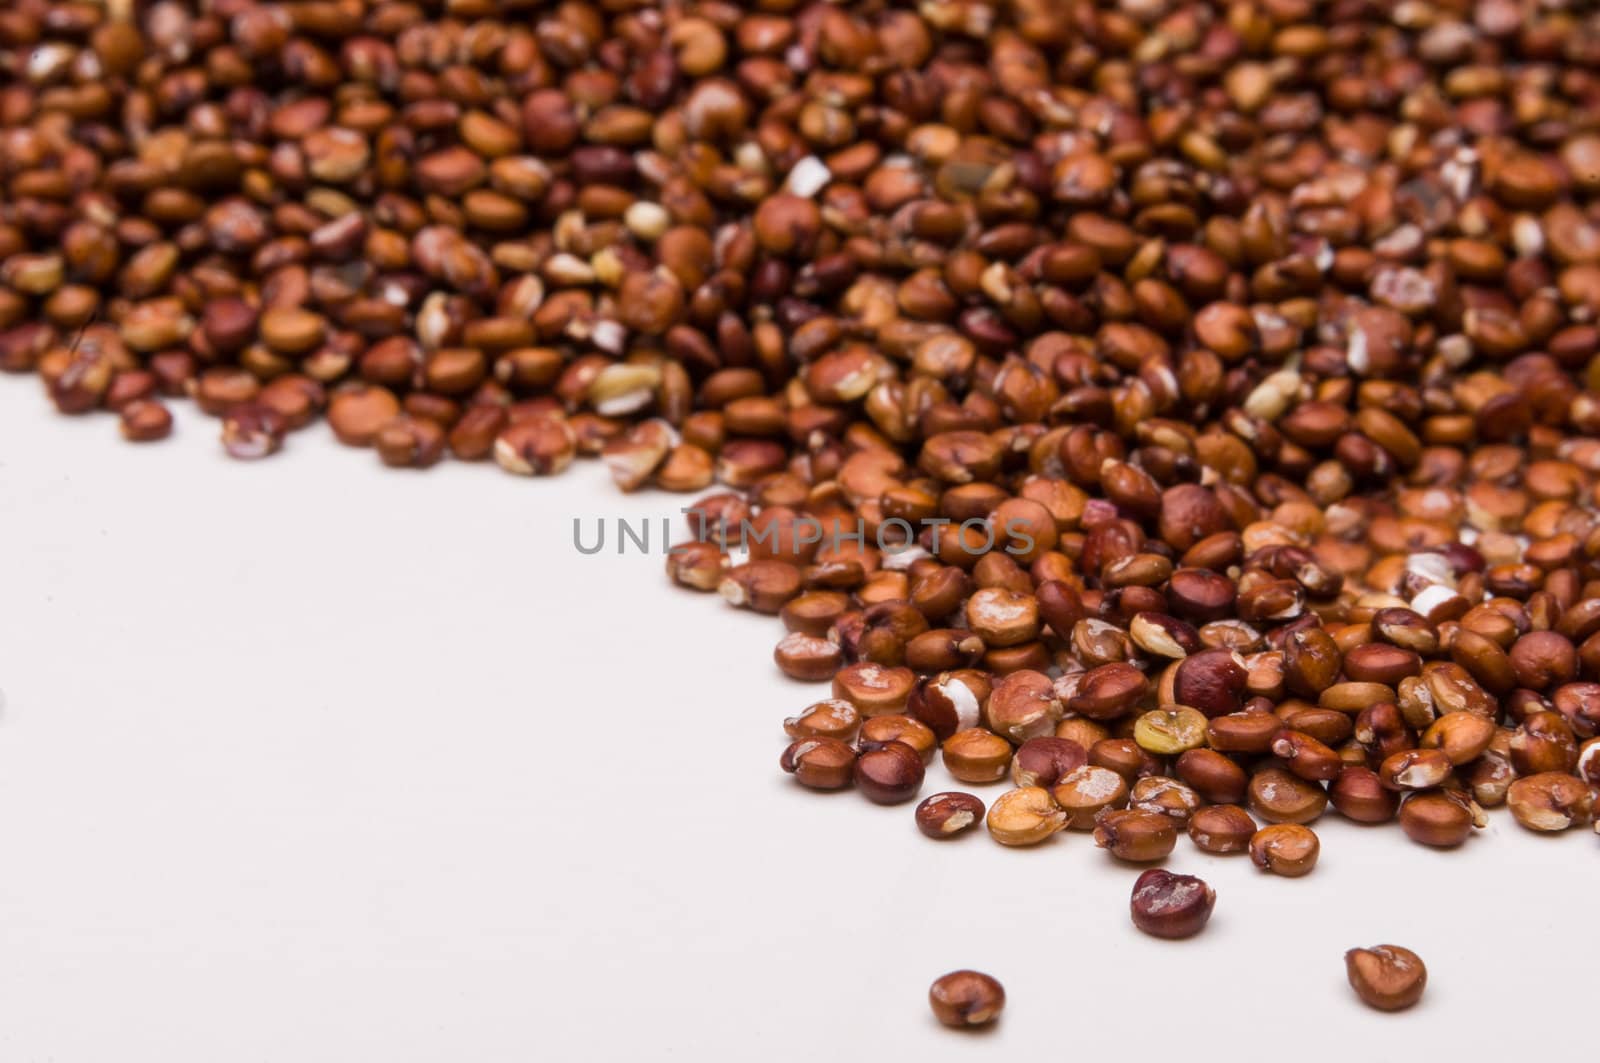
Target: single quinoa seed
964,999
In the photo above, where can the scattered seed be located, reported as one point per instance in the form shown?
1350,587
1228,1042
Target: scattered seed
1287,849
146,420
964,999
1386,977
1025,816
1166,905
1134,835
949,814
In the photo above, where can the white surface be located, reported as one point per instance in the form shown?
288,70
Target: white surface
310,760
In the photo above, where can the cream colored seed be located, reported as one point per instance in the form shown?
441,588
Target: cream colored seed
647,220
607,266
1153,637
1272,396
622,389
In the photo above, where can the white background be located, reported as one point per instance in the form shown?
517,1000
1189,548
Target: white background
311,760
